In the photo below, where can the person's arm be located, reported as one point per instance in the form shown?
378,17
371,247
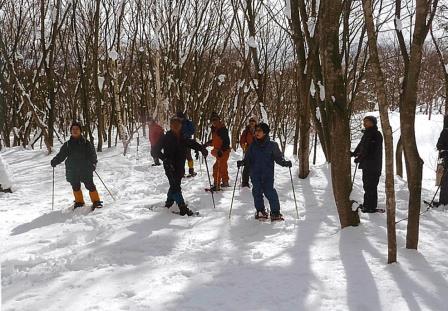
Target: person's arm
224,134
442,141
92,153
61,156
243,140
158,148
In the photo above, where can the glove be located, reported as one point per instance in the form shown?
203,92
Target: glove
53,163
240,163
204,152
219,153
94,167
287,163
196,155
352,154
357,160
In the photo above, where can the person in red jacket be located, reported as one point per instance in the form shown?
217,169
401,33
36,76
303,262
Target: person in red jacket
221,151
155,133
246,139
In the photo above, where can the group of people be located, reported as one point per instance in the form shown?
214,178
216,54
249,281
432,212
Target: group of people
174,147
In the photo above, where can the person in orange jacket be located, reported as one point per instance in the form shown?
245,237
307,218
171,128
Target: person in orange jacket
221,151
246,139
155,133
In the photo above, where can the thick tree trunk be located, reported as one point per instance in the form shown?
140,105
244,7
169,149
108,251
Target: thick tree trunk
380,87
339,116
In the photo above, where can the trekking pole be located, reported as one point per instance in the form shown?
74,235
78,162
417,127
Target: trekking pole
52,193
233,195
294,193
209,181
110,193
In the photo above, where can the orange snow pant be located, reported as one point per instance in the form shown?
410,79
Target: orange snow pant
220,172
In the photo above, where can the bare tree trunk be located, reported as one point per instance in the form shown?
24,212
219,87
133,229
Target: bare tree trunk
399,158
339,115
380,87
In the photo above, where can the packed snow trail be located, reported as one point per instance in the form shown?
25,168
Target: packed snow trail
126,257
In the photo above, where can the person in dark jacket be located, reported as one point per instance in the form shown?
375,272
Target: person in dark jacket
221,151
188,131
442,147
80,163
260,157
369,156
246,139
172,150
155,132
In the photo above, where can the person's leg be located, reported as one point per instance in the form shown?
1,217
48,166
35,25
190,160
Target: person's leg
77,193
246,172
190,162
370,182
216,178
223,166
154,156
272,196
169,196
443,198
93,193
257,193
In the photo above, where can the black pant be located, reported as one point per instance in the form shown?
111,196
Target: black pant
175,191
370,182
76,186
443,199
246,173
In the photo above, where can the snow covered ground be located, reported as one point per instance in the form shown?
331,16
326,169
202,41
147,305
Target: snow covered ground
126,257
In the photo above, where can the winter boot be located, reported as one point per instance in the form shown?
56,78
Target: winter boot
156,164
191,172
225,184
277,217
215,188
245,185
79,199
184,210
95,198
261,215
168,204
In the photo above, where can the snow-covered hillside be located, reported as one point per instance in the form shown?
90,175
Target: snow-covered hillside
126,257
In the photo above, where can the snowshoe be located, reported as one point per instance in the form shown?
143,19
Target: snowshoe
156,164
371,211
276,217
261,215
191,173
432,204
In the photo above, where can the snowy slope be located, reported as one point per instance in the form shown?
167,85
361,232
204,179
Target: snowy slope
126,257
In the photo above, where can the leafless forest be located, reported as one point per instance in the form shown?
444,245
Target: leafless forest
306,67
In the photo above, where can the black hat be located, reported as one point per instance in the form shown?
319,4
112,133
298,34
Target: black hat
214,116
180,114
264,127
372,119
175,119
75,123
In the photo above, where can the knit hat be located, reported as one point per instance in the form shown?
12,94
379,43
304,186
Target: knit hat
180,114
75,123
253,118
264,127
372,119
214,116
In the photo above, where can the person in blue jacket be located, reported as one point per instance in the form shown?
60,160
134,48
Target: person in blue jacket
188,131
260,157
